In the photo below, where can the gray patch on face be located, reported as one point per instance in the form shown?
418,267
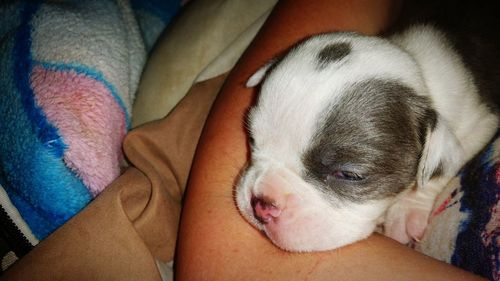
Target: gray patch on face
374,131
332,53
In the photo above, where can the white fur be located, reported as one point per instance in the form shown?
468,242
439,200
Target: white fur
464,122
339,223
464,126
422,59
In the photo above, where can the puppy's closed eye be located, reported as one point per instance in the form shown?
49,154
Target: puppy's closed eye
332,173
344,175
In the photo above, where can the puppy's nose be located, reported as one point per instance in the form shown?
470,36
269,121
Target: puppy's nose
265,210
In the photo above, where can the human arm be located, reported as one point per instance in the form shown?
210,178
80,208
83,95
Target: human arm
215,242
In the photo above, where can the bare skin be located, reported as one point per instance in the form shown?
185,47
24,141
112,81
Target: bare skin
215,242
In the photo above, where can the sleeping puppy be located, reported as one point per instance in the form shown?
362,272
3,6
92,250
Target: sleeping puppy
353,131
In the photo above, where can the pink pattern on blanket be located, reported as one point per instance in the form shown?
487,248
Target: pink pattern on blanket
89,120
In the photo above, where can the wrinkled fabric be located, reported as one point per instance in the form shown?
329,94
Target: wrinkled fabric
134,221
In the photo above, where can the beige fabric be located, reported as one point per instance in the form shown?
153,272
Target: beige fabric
202,32
225,61
133,224
130,230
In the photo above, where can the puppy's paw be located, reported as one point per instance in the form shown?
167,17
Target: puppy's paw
416,223
407,219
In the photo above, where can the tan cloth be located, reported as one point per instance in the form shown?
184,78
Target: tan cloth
134,221
207,30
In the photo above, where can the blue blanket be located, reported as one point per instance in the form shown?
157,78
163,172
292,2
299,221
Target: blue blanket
464,229
69,71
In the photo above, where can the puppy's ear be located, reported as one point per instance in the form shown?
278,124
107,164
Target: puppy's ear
442,155
257,77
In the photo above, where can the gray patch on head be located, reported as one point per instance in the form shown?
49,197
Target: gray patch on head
374,130
332,53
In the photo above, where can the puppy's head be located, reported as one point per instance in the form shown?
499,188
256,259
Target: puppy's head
336,134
